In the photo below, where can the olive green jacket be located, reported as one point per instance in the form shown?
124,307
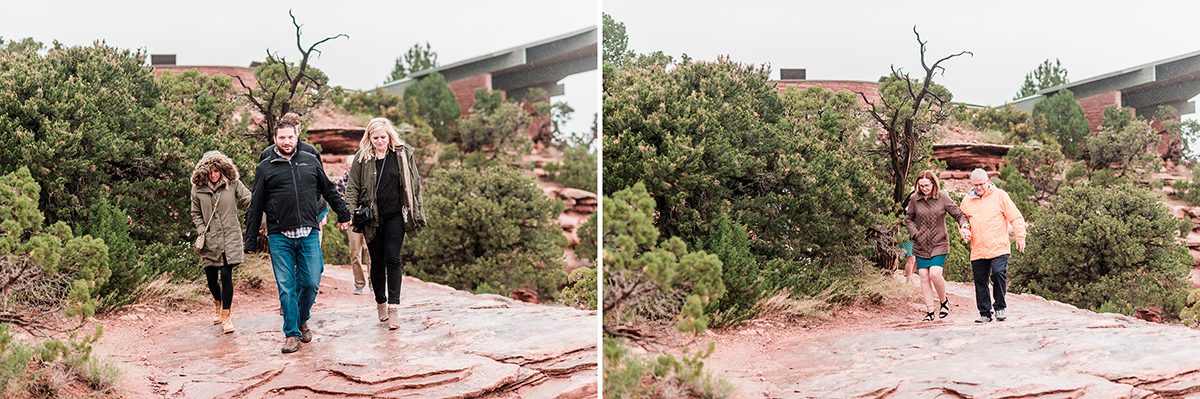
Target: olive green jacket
223,231
361,190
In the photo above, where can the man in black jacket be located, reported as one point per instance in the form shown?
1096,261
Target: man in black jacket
271,153
286,188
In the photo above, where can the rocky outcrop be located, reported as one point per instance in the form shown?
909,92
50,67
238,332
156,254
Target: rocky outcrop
451,344
968,156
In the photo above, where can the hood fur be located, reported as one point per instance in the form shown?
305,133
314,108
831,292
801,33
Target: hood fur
214,159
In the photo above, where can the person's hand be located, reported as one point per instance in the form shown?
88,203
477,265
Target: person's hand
965,233
1021,244
344,225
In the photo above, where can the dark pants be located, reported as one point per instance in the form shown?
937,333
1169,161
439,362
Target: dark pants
997,269
386,269
223,290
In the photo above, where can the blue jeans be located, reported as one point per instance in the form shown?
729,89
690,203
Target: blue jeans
297,264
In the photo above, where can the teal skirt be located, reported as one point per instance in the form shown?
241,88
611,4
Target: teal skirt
925,263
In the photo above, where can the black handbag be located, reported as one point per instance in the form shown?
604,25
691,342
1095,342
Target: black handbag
363,215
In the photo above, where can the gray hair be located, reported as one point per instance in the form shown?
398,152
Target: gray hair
979,174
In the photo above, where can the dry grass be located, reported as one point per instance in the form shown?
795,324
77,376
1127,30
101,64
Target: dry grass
873,289
250,275
782,306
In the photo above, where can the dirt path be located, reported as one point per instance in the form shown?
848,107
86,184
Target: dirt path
1044,350
450,344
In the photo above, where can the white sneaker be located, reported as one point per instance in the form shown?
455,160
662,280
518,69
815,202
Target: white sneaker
1000,315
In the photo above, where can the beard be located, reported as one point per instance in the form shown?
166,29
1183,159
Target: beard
286,151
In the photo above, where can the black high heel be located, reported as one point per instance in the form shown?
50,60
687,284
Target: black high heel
945,309
928,316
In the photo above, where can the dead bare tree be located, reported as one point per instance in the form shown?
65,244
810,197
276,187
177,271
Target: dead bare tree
297,91
909,117
906,118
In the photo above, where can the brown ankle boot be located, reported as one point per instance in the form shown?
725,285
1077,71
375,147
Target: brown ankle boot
381,308
393,317
217,313
226,322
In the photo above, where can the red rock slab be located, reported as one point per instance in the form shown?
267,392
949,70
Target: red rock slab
451,344
1045,349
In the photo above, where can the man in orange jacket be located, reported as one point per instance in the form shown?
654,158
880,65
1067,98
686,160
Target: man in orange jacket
991,215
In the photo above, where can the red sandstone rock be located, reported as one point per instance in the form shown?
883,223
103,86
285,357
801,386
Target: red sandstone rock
1045,349
450,344
968,156
1151,314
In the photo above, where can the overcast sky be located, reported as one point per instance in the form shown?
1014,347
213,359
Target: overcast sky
237,32
858,40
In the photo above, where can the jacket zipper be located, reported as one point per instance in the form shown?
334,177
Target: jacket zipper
295,188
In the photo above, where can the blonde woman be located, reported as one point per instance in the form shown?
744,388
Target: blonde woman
216,195
384,177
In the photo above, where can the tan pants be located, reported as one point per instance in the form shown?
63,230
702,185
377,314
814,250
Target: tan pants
358,253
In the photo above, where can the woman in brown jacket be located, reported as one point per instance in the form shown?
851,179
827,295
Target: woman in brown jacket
925,219
216,195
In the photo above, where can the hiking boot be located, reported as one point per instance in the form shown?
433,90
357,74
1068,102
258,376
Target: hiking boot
1000,315
305,333
984,319
383,311
291,344
393,314
226,323
217,314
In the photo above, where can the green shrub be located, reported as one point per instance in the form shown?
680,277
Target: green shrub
634,257
101,114
1123,146
436,104
588,236
1106,246
630,375
1190,315
639,269
745,279
14,359
1038,166
1189,190
708,138
49,275
581,288
48,271
1019,189
578,169
110,223
1013,122
495,125
490,227
1060,118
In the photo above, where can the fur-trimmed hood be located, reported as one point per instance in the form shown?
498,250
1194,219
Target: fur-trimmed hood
214,159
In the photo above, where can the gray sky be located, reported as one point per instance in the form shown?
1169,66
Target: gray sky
234,33
858,40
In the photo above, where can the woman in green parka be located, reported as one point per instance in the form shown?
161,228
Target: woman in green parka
217,193
384,177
